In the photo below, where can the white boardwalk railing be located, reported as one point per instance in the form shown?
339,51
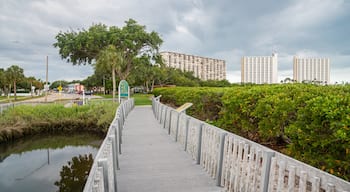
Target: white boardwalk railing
241,165
102,176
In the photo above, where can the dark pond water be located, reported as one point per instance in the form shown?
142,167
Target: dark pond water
47,163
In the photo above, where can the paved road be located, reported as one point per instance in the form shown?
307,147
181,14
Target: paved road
56,96
152,162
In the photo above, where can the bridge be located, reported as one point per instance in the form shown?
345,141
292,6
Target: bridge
156,148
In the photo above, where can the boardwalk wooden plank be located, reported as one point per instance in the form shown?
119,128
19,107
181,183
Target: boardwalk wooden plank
151,161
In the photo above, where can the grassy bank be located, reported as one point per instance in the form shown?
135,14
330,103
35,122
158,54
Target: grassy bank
142,99
29,120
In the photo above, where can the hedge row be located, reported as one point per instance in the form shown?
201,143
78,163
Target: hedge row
206,101
311,123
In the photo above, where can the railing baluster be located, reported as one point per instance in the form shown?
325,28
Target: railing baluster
103,163
187,128
199,143
115,160
220,159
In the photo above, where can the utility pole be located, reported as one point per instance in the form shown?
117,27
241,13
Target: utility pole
47,77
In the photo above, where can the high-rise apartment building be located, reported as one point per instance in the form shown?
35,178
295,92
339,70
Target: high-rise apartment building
202,67
259,69
311,69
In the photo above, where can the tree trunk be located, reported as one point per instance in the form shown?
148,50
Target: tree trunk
5,88
147,89
14,90
114,83
152,86
9,92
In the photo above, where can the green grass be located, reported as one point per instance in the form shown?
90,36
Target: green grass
54,118
142,99
107,96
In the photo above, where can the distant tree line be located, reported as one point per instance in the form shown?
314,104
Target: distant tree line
13,79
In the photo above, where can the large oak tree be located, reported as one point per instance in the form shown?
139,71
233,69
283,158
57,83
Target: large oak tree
131,42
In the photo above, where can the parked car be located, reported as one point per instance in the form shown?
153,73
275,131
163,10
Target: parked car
88,92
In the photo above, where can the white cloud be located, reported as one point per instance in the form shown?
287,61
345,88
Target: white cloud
309,13
301,20
181,40
225,29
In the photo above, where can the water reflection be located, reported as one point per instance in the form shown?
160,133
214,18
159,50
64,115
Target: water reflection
74,175
35,164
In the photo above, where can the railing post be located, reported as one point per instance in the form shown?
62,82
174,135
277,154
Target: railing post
115,160
103,163
120,129
220,159
117,144
124,112
165,116
177,126
265,174
199,143
119,135
161,114
158,111
187,128
169,128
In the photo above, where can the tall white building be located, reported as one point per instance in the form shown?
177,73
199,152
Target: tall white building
259,69
311,69
202,67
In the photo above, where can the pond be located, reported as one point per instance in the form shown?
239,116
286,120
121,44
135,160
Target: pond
47,162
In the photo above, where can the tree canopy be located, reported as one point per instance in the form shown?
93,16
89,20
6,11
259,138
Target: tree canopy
2,79
14,78
85,46
14,74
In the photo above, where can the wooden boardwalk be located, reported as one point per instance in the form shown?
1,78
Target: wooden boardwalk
152,161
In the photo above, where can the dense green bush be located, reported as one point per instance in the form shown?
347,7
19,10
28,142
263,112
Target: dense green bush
206,101
321,134
311,123
23,120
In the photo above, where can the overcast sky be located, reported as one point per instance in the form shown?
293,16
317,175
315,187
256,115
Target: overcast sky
224,29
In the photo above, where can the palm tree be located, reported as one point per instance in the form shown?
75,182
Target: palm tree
2,81
14,74
113,60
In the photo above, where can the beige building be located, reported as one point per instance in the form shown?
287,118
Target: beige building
259,69
311,69
202,67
